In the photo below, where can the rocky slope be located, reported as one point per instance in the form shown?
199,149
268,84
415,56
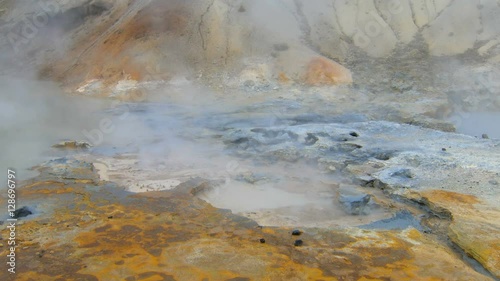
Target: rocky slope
109,48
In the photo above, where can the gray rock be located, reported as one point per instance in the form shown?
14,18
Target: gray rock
355,204
72,145
354,201
409,156
400,220
69,169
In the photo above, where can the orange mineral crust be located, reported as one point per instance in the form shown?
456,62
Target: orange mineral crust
97,231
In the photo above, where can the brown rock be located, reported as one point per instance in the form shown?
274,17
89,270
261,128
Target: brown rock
72,145
322,71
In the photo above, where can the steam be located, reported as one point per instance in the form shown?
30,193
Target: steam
474,96
36,115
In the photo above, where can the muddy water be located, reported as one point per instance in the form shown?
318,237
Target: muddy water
155,146
158,146
35,115
278,204
478,123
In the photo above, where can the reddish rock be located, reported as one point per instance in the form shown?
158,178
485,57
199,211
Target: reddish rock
322,71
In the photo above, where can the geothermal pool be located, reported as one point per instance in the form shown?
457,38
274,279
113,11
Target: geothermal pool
478,123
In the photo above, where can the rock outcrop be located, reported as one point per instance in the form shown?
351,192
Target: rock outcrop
107,44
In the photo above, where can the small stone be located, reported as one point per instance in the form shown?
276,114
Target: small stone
296,232
298,243
22,212
262,240
443,149
280,47
311,139
355,203
403,173
354,134
72,145
110,217
485,136
249,83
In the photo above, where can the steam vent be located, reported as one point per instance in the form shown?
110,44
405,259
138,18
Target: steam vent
242,140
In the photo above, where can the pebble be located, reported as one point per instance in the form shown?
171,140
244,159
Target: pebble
22,212
280,47
296,232
262,240
298,243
